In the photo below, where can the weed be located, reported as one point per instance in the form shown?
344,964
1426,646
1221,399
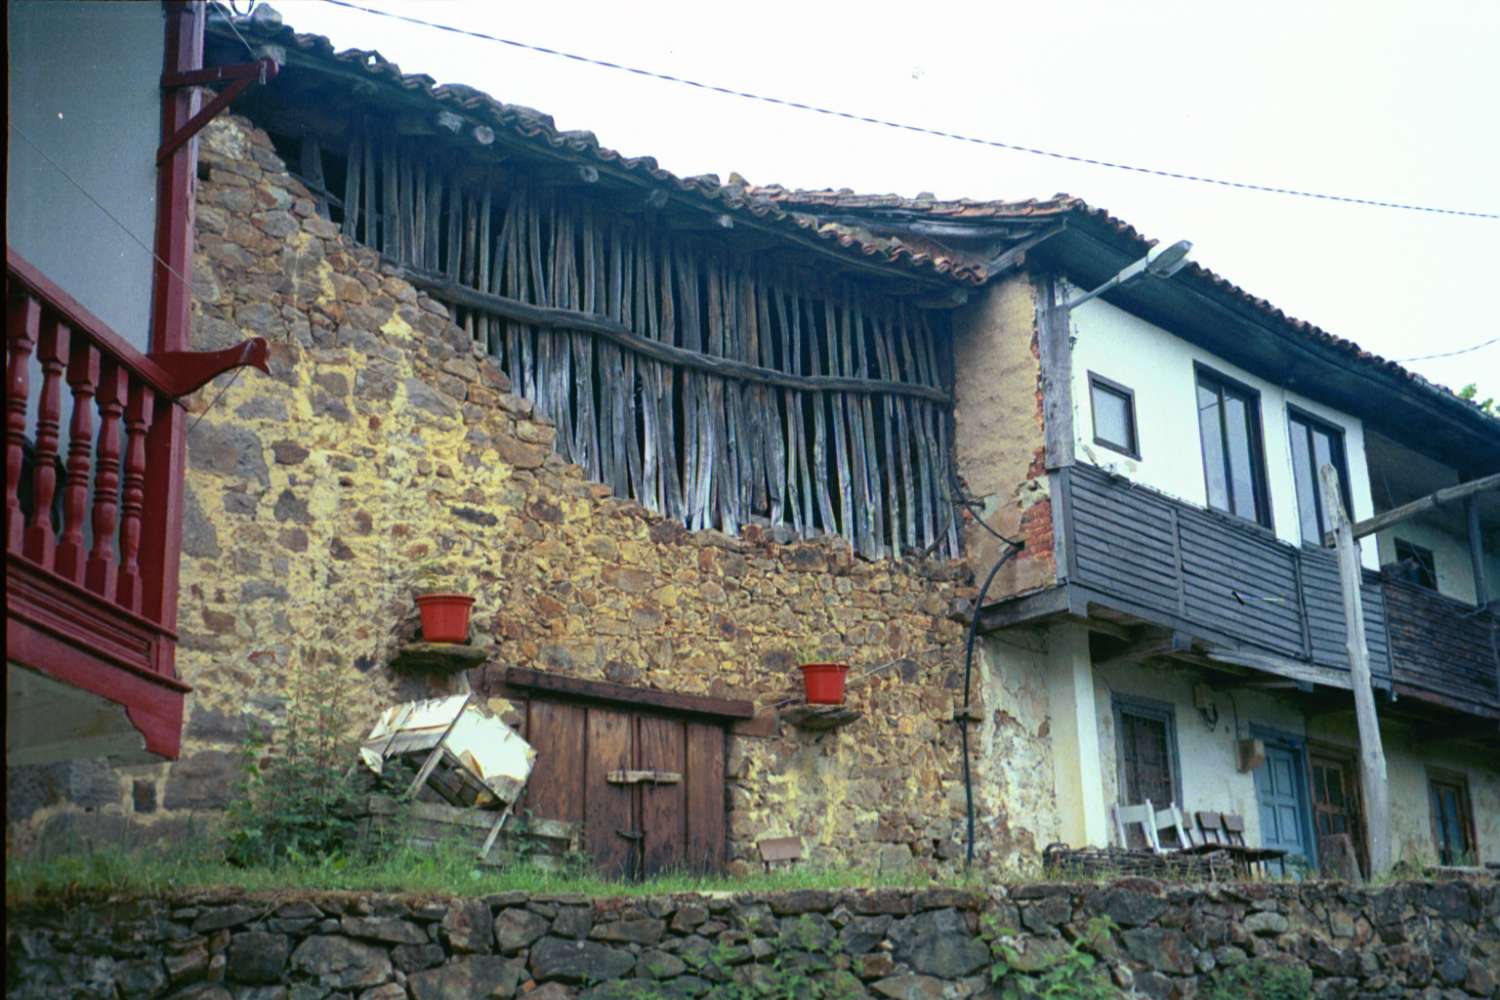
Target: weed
1074,974
1259,979
295,801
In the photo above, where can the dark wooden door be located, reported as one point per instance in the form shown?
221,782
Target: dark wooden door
1335,799
630,829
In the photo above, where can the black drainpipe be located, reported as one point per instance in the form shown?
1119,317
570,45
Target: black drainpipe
963,722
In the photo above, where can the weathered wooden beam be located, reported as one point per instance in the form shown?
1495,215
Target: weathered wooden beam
1373,779
1476,552
1432,501
553,318
1055,346
1152,643
604,691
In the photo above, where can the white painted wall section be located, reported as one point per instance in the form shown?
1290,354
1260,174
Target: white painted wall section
1158,367
1082,817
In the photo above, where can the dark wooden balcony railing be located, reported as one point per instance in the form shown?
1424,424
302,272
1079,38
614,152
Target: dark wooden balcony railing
1444,650
92,488
1210,575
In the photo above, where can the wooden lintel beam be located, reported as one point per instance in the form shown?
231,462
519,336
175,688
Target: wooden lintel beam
1432,501
1153,643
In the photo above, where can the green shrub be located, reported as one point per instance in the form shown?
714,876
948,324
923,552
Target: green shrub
297,794
1259,979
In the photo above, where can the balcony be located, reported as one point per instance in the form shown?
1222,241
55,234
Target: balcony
1445,651
93,478
1238,593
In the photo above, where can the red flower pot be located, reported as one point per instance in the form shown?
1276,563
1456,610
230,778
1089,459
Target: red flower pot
824,682
445,617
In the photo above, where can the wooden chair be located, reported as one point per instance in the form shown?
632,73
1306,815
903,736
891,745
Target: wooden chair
1143,816
1210,828
1170,820
1234,835
775,849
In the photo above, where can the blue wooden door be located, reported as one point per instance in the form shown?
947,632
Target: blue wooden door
1282,797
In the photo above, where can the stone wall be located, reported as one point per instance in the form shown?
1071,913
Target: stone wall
382,440
1405,940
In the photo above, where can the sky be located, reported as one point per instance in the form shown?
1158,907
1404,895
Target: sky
1381,99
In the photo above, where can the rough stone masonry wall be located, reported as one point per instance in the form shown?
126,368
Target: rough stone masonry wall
1406,940
382,440
999,437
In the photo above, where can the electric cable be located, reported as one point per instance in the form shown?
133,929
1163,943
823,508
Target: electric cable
918,129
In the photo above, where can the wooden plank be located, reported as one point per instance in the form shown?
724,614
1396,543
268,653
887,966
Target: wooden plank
839,425
660,747
771,403
1055,346
704,802
820,464
607,693
390,228
799,479
1373,780
673,503
555,789
353,160
609,822
372,226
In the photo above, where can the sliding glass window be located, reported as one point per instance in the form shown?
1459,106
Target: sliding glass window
1233,459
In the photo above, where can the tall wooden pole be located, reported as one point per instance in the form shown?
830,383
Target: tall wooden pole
1372,773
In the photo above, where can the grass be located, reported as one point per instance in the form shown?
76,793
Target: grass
445,872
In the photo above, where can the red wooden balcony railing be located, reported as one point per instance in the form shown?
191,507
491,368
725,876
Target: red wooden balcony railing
93,498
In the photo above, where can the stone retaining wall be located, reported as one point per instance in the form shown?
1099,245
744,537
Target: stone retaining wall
1411,939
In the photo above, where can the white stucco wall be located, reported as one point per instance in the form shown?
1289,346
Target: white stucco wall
1158,366
1211,781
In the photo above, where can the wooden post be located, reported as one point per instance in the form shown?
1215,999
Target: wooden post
1372,773
1476,552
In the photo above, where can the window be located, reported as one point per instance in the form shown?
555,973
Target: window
1114,415
1147,753
1233,463
1314,445
1414,564
1452,821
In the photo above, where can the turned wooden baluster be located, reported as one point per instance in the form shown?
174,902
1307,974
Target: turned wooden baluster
83,377
23,318
100,573
52,352
137,420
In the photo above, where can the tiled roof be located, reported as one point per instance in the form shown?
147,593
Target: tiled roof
1062,205
265,26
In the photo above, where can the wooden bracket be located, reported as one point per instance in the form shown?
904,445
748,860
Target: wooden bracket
643,777
189,371
239,75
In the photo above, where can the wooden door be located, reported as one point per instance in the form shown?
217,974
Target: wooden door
1281,796
1335,799
631,829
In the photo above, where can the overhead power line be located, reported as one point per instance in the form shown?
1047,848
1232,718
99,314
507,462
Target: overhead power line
918,129
1452,354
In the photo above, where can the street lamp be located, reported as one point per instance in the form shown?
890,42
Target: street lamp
1161,262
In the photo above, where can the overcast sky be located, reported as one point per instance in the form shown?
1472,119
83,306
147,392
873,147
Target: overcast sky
1394,101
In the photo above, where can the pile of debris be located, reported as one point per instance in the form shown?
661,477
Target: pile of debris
449,769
